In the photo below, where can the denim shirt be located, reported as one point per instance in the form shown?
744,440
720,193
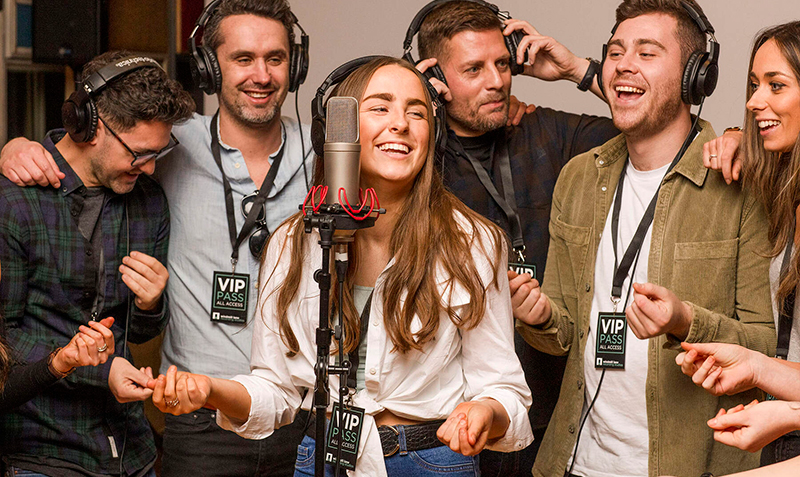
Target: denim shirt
709,244
200,242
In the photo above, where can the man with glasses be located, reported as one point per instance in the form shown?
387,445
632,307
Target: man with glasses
221,161
93,247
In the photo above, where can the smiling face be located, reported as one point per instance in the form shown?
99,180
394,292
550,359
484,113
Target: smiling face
775,100
642,75
110,164
395,132
254,60
476,65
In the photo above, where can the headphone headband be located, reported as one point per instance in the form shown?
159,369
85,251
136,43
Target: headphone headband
205,66
701,71
337,76
79,113
512,41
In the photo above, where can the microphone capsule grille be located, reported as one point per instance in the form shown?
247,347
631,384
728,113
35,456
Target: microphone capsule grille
341,121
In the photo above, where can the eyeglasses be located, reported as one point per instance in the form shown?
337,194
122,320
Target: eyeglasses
142,159
260,235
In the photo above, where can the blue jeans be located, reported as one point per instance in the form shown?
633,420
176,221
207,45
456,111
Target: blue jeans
422,463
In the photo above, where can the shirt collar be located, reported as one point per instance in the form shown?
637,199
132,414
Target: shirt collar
271,156
690,165
71,182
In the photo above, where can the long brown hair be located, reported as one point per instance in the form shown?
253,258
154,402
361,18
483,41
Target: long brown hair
426,237
775,176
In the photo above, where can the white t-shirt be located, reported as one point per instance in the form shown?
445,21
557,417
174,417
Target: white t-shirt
614,440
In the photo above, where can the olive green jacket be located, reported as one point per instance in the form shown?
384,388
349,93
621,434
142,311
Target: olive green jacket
709,245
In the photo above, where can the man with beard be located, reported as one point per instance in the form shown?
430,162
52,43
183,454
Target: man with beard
507,174
638,210
250,40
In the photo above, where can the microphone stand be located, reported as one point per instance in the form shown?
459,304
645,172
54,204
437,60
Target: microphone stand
329,219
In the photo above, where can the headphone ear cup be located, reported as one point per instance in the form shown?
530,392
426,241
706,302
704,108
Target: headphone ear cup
214,73
600,71
318,135
436,72
79,117
707,77
512,43
294,68
689,90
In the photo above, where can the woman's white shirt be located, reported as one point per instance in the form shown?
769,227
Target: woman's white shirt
458,365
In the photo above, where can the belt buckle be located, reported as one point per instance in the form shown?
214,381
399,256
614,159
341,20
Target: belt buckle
397,446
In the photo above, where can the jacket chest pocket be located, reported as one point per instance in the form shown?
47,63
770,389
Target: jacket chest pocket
704,273
571,245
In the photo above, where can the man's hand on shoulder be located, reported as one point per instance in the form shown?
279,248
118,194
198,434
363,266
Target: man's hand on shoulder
530,305
27,163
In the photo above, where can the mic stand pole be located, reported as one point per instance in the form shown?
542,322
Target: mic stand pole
328,219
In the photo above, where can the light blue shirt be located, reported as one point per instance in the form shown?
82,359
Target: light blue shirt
200,242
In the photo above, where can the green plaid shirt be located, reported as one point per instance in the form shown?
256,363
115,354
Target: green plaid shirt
48,287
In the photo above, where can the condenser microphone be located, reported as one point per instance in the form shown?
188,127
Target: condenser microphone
342,151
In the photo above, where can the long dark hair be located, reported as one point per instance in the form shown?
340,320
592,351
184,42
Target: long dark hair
775,176
426,238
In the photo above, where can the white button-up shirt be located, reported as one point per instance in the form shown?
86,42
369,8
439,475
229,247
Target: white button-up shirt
459,365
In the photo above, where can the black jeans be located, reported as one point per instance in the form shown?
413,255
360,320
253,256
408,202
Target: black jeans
511,464
782,448
195,446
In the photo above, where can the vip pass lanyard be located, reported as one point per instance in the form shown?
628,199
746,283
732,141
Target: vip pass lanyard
621,270
508,203
259,201
787,307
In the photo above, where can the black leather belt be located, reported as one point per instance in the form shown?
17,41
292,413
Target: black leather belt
418,436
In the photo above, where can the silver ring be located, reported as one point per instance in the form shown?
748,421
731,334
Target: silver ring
172,403
102,348
712,156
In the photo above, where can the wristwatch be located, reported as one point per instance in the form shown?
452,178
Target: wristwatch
588,78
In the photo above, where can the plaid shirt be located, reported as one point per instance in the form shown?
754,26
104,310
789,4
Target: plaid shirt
537,149
48,287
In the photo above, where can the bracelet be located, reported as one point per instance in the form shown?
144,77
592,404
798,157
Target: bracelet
736,129
53,369
591,71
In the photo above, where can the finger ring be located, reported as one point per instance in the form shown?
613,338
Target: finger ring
712,156
173,403
102,348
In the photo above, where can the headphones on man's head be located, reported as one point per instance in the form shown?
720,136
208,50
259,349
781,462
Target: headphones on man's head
512,41
205,66
337,76
702,68
79,113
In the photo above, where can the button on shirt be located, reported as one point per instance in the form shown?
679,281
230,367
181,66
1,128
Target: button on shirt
200,241
459,365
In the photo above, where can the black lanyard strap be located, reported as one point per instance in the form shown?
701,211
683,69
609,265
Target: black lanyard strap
507,202
258,203
621,271
786,316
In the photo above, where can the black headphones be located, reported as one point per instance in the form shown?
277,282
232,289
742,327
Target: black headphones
79,113
702,68
337,76
512,41
205,66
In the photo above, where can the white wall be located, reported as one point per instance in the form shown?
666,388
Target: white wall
340,30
